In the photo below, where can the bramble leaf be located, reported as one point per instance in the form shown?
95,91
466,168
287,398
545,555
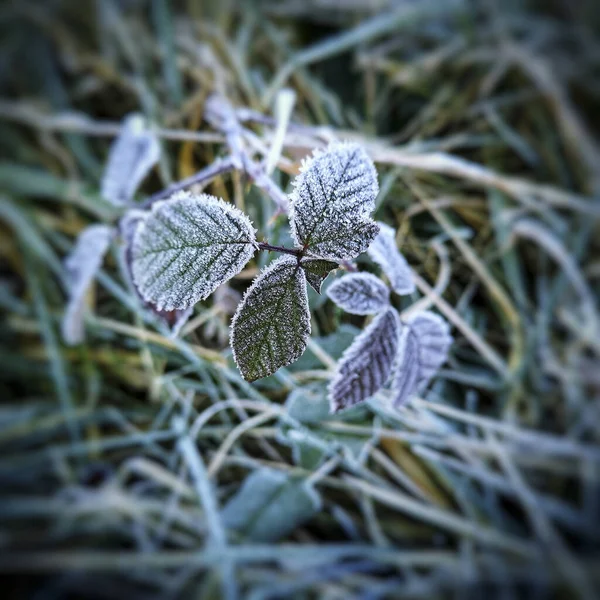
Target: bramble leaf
316,270
424,345
186,247
360,294
81,267
333,198
270,505
386,254
271,326
366,365
174,319
135,151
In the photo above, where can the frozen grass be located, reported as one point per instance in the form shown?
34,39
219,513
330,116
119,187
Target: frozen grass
119,456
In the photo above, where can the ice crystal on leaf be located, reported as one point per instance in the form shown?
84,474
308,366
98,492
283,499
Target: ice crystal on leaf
424,345
135,151
316,270
333,198
188,246
81,267
366,365
174,319
386,254
359,294
271,326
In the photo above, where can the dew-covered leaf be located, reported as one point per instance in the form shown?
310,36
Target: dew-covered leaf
135,151
386,254
360,294
366,365
316,270
188,246
333,198
81,267
269,506
424,345
271,326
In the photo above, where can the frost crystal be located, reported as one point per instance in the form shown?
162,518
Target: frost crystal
316,270
359,294
366,365
271,326
81,267
386,254
424,348
333,198
135,151
188,246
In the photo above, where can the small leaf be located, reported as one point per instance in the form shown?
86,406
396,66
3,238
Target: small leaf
360,294
316,270
271,326
269,506
308,404
187,247
386,254
424,345
333,198
366,365
135,151
81,267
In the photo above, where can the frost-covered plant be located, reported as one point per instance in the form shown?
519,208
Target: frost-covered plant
180,248
409,352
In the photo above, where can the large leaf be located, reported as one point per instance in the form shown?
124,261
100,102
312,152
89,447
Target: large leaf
135,151
81,267
333,198
316,270
187,247
385,253
269,506
360,294
174,319
271,326
366,365
424,345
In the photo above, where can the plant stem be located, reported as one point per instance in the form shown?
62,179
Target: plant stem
216,168
282,249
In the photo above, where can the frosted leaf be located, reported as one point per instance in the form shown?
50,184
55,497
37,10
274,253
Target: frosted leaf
188,246
316,270
333,198
270,505
366,365
271,326
386,254
81,267
424,345
135,151
174,319
360,293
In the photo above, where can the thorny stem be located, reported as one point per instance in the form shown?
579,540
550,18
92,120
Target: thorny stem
220,166
221,115
268,247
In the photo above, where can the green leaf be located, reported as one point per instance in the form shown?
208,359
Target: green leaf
269,506
271,326
187,247
333,199
316,270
